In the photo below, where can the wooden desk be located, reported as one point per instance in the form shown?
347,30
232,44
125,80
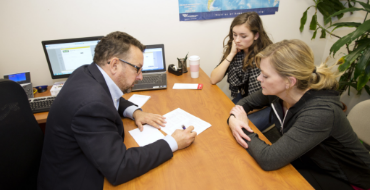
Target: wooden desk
41,117
215,160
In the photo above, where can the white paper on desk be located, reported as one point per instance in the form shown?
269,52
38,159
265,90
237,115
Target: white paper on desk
139,100
187,86
178,117
147,136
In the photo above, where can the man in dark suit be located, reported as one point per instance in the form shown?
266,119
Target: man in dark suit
84,131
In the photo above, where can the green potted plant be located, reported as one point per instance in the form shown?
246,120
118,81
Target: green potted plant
355,64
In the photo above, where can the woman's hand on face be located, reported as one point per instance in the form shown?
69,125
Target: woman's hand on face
234,50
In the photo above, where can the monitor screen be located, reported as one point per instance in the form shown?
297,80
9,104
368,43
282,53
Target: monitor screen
154,58
64,56
19,77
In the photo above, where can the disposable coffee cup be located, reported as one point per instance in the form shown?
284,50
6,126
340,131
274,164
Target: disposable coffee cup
194,62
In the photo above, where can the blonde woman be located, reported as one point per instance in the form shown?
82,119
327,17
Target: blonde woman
316,136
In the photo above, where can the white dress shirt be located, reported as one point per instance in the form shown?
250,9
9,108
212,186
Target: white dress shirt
116,94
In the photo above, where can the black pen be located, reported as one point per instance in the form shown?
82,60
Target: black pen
183,127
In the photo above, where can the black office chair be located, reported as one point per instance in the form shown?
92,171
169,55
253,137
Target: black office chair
20,139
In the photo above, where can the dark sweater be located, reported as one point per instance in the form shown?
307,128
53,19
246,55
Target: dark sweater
314,130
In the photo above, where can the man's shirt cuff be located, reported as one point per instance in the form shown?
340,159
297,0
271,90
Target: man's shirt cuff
171,142
130,111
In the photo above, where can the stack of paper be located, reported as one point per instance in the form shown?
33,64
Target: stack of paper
178,117
147,136
175,120
139,100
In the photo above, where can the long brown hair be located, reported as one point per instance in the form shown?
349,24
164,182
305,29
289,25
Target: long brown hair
293,58
254,23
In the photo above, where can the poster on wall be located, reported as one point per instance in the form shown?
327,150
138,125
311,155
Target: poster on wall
190,10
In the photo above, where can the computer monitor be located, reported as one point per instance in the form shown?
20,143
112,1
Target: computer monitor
66,55
154,59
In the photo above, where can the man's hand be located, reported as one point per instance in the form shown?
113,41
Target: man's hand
184,137
154,120
237,123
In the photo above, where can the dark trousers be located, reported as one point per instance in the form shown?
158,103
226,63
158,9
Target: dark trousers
319,179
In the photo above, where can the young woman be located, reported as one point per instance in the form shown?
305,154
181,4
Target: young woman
316,136
247,37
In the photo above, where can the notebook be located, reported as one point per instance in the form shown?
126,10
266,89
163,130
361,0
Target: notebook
154,69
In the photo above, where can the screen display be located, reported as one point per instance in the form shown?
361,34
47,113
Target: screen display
64,56
153,59
19,77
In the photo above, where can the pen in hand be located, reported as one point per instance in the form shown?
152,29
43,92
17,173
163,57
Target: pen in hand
183,127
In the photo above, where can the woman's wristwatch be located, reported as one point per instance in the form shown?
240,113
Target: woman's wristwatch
229,118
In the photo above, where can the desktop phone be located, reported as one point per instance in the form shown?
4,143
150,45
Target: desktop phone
24,79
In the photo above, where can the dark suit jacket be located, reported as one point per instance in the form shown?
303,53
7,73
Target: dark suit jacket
84,138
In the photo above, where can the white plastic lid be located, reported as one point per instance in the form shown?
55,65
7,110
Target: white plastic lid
194,58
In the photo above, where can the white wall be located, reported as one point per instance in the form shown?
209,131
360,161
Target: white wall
24,24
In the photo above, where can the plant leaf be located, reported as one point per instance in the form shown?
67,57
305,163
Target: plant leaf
362,62
364,27
338,4
367,88
363,79
339,43
363,41
345,24
353,85
359,91
313,22
337,7
349,4
366,6
323,33
303,20
350,37
314,35
326,11
351,57
346,10
329,7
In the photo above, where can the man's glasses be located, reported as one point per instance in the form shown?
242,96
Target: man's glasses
132,65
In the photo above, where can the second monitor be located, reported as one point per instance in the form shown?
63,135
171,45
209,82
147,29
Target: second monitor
64,56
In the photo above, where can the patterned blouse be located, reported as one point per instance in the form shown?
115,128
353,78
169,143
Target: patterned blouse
244,82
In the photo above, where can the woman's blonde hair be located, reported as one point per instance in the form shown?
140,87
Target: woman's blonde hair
293,58
254,23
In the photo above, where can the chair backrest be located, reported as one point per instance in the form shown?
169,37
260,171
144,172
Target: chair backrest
359,117
20,139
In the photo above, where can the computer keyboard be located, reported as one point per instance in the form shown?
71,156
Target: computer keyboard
41,104
152,79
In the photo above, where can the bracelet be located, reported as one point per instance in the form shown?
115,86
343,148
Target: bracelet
229,62
229,118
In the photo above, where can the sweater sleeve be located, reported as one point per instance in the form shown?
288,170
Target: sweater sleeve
312,126
254,101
